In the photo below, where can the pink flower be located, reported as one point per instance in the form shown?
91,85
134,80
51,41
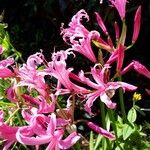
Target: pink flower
31,77
101,131
7,133
46,131
79,37
102,88
76,29
120,5
137,24
57,68
5,72
84,45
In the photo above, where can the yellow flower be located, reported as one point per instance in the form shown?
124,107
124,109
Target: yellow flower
137,96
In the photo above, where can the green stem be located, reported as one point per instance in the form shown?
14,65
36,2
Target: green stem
7,104
112,118
73,107
102,109
121,99
7,121
105,142
61,110
123,34
19,118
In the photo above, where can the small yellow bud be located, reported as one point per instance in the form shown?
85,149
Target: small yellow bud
137,96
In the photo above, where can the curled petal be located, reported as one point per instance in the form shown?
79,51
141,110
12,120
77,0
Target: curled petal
78,17
34,60
4,70
25,136
69,141
105,99
90,100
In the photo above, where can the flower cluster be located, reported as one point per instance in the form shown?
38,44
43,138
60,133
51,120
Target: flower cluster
45,121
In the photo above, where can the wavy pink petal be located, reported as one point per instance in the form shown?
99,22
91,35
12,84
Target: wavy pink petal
105,99
69,141
25,136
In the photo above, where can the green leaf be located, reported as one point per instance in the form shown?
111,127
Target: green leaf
5,43
127,131
119,129
132,115
108,122
138,109
91,141
98,141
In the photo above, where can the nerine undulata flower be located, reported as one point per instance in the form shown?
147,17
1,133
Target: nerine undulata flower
46,130
31,77
58,69
102,87
79,37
